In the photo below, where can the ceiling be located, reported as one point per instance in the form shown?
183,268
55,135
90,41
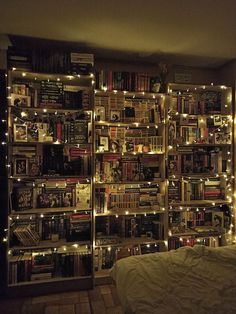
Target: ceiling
188,32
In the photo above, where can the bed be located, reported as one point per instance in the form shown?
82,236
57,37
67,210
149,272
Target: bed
199,280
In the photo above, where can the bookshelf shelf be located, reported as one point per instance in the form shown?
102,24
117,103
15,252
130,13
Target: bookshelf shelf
133,241
55,280
51,244
37,76
134,94
50,210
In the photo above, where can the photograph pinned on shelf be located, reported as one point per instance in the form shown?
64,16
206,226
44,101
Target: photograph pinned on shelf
100,113
217,120
104,143
223,137
20,133
18,100
115,116
218,219
33,167
21,167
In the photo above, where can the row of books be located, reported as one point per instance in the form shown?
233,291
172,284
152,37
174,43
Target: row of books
104,258
50,60
175,243
50,95
114,168
148,226
49,194
179,221
46,265
198,190
28,230
128,81
194,135
202,160
206,102
138,140
135,197
126,109
54,160
54,128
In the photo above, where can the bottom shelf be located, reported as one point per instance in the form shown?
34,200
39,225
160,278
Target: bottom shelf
52,280
43,288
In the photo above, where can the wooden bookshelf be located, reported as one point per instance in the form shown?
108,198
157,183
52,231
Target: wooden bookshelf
200,169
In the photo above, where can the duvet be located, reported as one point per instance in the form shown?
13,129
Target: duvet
199,280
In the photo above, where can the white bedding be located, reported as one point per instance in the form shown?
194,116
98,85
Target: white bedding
199,280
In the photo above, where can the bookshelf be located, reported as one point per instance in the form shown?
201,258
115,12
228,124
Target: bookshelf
200,168
130,202
100,167
49,163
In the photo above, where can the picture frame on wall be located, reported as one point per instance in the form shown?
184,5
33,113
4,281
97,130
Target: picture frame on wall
104,143
18,100
20,133
115,116
21,166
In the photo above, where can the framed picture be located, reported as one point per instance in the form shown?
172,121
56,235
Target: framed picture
171,132
217,120
223,138
104,142
218,219
115,116
18,100
20,133
100,113
21,166
33,167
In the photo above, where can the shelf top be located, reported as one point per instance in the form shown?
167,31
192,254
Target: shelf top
132,241
133,94
188,88
36,76
52,110
51,244
49,210
35,282
128,211
129,124
156,181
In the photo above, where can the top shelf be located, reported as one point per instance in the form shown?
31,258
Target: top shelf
173,87
132,94
68,79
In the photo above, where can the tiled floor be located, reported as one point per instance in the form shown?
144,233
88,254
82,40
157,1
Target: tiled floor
100,300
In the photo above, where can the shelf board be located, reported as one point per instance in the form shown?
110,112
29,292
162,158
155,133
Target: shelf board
191,87
77,145
157,181
132,241
50,244
201,234
48,210
125,93
60,177
138,211
197,175
57,279
130,153
51,110
129,124
198,202
36,76
203,145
